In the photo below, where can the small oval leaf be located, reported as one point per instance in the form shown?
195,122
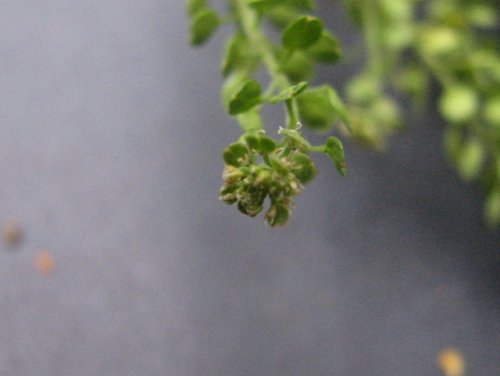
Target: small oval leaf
297,66
335,150
234,153
303,168
266,144
203,25
302,33
239,55
326,49
246,98
321,107
194,6
277,215
459,103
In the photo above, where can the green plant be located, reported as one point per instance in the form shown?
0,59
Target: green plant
409,44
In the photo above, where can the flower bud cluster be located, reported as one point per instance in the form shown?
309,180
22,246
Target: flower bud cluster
254,172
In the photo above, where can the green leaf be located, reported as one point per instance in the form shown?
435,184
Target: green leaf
397,10
302,33
297,67
303,168
339,106
384,110
239,55
234,153
194,6
364,89
471,159
266,144
326,49
290,92
277,215
246,98
232,84
335,150
203,25
483,16
439,41
261,144
252,141
398,36
414,80
320,107
459,103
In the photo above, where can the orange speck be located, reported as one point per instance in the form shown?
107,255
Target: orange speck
451,362
12,234
45,262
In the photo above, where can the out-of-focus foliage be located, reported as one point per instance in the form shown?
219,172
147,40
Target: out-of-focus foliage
454,43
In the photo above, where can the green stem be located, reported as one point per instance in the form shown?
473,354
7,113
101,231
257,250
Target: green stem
292,114
251,28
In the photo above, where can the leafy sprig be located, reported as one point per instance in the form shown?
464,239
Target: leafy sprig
260,167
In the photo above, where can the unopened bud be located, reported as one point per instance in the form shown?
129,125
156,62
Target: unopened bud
250,209
263,177
231,174
277,215
229,198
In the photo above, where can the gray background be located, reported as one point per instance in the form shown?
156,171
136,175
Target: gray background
110,157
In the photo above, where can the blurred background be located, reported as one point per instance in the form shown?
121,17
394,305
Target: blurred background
110,160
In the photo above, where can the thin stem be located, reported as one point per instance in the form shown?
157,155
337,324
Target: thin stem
371,34
292,114
251,28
